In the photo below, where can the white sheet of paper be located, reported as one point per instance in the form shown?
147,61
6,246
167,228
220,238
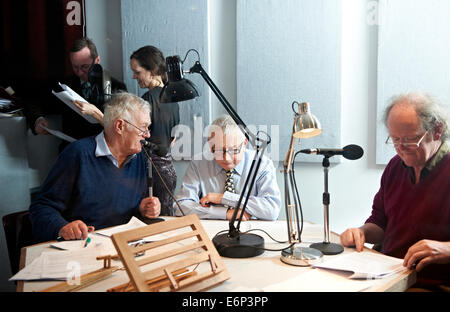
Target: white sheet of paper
134,223
68,96
364,265
61,264
59,134
30,272
319,281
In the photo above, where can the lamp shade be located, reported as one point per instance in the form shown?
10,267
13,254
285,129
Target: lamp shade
307,125
177,89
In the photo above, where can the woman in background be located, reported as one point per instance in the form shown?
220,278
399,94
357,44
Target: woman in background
149,69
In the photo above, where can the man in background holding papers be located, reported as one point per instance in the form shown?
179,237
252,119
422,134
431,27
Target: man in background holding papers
99,181
211,187
83,55
411,211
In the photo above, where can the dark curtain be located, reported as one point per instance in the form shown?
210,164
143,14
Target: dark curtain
35,41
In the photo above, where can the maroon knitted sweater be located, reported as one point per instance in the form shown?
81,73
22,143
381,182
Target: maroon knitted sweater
409,212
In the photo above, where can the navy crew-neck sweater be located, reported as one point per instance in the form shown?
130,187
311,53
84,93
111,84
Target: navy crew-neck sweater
84,187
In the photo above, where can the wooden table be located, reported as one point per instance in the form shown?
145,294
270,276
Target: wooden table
254,274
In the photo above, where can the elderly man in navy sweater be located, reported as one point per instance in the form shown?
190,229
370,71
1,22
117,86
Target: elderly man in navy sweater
98,181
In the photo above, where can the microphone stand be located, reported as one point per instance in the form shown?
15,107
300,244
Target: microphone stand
150,173
326,247
148,152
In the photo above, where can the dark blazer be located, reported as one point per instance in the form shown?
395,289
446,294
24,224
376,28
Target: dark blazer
73,124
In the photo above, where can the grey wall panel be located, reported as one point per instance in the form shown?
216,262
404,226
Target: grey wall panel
174,27
290,51
413,55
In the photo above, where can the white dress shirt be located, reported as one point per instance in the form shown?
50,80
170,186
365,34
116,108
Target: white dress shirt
206,176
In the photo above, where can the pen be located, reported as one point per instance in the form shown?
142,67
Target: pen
88,240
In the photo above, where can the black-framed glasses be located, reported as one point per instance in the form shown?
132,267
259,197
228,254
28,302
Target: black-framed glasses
229,151
142,132
411,143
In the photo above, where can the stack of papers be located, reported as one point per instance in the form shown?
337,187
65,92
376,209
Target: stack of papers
60,265
364,265
8,108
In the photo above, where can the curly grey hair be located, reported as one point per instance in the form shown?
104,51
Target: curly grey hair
430,111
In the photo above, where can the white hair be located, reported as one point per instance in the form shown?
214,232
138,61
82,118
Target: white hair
227,126
121,105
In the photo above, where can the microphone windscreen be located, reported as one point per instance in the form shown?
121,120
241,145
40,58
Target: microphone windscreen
158,149
95,74
353,152
161,151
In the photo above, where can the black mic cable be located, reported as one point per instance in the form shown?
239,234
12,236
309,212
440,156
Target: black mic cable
164,182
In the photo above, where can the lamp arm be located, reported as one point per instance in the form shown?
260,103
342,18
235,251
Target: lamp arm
252,176
198,68
257,143
288,160
291,192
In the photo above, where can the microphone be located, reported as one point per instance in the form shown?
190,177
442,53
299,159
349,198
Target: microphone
95,78
351,151
152,146
160,150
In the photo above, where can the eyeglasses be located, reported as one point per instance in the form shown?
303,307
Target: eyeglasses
84,67
142,132
410,143
231,152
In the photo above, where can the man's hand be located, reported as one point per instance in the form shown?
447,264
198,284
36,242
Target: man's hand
75,230
211,198
37,126
230,212
150,207
425,252
353,237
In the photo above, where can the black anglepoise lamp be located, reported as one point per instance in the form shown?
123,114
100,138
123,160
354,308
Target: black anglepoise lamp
306,125
233,244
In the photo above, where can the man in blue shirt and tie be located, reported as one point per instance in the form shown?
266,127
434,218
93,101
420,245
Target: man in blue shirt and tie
211,185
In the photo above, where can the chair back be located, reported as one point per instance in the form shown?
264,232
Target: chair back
18,234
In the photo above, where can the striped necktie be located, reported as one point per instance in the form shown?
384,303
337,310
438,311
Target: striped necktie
229,183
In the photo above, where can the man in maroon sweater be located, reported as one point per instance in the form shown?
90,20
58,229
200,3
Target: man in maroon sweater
411,211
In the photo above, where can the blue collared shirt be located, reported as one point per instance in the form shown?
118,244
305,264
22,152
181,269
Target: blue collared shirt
102,149
206,176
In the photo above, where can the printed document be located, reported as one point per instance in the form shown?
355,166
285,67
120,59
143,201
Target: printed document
364,265
134,223
68,96
59,134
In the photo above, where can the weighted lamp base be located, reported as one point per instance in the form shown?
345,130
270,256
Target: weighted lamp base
301,256
328,248
242,246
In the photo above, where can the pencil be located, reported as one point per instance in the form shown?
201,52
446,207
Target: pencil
88,240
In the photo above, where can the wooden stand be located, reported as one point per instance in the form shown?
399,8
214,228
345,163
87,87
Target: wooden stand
191,248
86,279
